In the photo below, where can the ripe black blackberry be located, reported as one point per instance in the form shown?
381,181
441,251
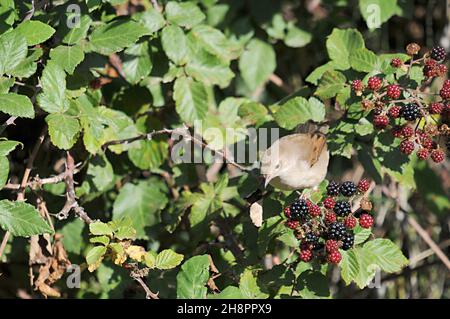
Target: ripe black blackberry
342,208
336,231
348,240
348,189
299,209
438,53
333,189
410,112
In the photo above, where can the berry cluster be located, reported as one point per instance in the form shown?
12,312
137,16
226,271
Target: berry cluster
324,228
421,123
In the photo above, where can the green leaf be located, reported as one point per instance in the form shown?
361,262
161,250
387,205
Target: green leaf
313,284
361,235
72,232
257,63
254,113
364,60
16,105
95,256
230,292
68,57
331,84
7,147
79,32
317,74
341,43
151,19
99,177
168,259
13,50
4,171
386,255
99,228
191,99
376,12
53,82
192,278
150,259
22,219
298,111
150,154
296,37
184,14
174,43
63,130
215,42
5,84
349,266
249,287
116,35
137,63
35,32
148,199
104,240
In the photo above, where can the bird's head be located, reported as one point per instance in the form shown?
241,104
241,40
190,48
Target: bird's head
272,165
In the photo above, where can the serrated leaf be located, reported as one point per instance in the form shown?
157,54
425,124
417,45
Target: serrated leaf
151,19
63,130
116,35
35,32
296,37
149,154
191,99
136,63
4,170
148,200
168,259
361,235
363,60
341,43
104,240
5,84
16,105
386,255
68,57
184,14
99,228
53,82
317,74
7,147
22,219
215,42
249,287
331,84
257,63
376,12
94,257
75,34
349,266
13,50
192,278
298,111
174,43
150,259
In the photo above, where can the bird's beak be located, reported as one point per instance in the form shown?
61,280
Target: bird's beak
268,179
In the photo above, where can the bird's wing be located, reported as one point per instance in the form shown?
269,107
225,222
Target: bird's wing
307,147
319,143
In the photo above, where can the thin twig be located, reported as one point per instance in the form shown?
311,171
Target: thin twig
137,274
9,121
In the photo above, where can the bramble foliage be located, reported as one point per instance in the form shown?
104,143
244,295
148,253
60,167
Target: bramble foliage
96,88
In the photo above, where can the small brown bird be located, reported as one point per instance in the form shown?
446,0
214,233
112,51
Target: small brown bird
296,161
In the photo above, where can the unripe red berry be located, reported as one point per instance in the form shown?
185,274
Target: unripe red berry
305,255
330,217
426,141
423,153
374,83
365,221
393,91
357,85
445,93
397,131
363,185
287,212
406,147
394,111
380,121
329,203
437,155
412,48
314,210
407,131
350,222
334,257
441,70
436,108
396,62
331,245
292,224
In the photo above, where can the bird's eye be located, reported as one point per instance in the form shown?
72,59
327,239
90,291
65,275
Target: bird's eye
277,166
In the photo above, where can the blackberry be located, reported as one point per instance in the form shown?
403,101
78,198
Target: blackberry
336,231
423,153
407,147
437,156
412,48
394,91
342,208
333,189
394,111
436,108
438,53
380,121
360,212
299,209
312,238
363,185
348,240
410,112
334,257
396,62
348,189
374,83
365,221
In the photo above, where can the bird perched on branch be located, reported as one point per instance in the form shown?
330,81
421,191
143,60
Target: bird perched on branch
296,161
